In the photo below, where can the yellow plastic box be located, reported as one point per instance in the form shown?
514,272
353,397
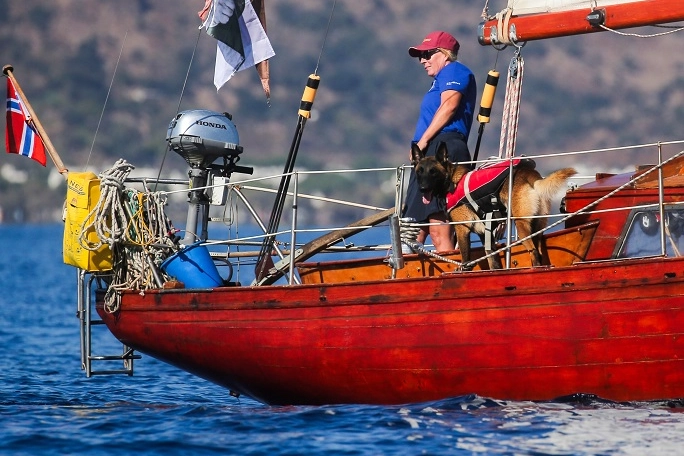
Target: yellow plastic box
83,193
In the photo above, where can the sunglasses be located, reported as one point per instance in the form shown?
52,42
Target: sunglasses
427,55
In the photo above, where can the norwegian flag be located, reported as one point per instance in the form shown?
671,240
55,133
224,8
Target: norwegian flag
20,136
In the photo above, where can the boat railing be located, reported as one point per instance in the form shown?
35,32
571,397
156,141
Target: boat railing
307,204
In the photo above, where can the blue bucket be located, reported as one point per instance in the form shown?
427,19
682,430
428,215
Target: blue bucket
194,267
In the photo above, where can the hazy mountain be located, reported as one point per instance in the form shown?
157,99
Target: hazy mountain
579,92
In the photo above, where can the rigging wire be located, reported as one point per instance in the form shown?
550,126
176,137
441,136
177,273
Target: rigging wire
325,37
264,260
109,91
180,100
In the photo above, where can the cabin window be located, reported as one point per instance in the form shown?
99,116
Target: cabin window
642,235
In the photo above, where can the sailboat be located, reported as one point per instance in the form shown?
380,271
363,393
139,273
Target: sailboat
604,314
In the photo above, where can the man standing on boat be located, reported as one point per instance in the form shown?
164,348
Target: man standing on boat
446,115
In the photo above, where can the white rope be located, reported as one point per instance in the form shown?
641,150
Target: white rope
638,35
503,35
408,232
485,11
420,248
135,227
108,218
511,110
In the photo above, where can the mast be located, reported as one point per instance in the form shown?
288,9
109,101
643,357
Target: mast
509,27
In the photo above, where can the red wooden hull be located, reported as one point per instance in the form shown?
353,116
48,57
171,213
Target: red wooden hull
614,329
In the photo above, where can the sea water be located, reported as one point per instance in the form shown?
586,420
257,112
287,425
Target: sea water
49,407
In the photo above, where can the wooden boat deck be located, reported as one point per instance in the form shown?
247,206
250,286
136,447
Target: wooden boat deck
560,248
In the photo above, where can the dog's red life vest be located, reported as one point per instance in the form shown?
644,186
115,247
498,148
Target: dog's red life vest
478,185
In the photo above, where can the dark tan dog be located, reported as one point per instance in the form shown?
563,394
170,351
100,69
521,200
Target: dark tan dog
436,176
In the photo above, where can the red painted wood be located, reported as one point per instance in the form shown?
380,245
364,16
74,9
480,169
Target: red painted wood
551,25
613,223
612,329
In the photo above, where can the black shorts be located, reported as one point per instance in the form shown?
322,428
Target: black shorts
457,148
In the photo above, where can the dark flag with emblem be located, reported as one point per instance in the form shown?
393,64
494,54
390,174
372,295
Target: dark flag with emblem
242,40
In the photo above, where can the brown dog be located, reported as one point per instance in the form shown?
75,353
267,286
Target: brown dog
436,176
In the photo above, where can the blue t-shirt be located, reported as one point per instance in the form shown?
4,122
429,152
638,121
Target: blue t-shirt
454,76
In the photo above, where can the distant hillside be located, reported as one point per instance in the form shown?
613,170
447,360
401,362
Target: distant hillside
580,92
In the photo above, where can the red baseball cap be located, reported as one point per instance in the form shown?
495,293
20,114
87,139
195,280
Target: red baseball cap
434,40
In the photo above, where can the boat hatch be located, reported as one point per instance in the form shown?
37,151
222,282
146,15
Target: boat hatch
643,234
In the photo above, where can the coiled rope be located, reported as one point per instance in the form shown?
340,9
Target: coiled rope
135,227
108,218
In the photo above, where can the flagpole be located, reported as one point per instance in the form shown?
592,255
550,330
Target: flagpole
7,70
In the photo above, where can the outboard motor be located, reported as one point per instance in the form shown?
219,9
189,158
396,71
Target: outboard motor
202,137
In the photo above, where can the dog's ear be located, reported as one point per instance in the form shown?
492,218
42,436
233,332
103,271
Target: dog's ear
441,154
416,154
